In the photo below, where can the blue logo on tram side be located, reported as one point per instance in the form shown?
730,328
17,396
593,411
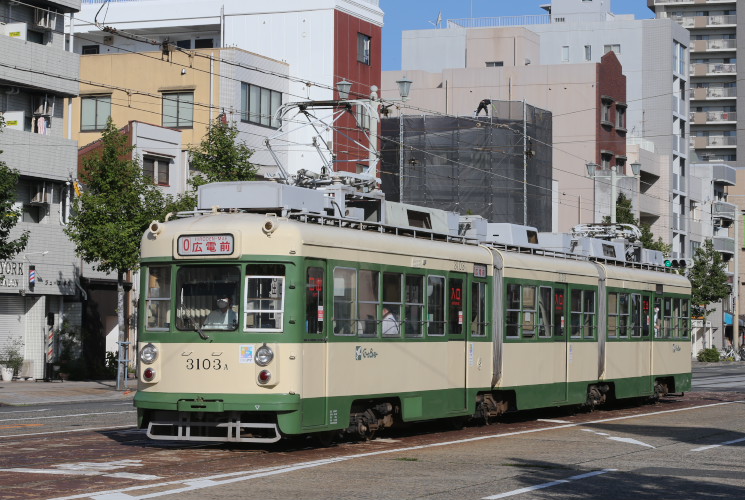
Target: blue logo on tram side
362,353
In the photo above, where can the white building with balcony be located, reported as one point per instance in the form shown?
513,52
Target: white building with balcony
37,77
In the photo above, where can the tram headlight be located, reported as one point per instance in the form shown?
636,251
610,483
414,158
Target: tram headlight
149,354
264,355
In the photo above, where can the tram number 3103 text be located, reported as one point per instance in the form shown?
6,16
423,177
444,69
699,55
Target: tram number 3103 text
205,364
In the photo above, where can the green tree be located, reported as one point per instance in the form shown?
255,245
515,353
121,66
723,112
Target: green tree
625,215
709,281
220,157
8,216
113,211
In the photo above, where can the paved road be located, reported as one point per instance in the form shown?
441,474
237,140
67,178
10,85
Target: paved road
683,447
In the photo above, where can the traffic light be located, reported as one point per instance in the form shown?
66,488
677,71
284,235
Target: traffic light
677,263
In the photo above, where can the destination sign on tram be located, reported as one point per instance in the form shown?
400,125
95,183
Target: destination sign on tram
206,244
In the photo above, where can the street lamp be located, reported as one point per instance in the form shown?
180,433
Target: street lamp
592,169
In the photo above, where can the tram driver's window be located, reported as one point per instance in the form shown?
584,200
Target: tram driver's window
345,301
265,297
207,297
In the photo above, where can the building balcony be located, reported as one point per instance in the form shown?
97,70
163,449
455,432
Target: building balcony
723,211
40,67
713,93
649,205
724,245
704,117
720,45
714,69
714,141
724,174
42,156
679,223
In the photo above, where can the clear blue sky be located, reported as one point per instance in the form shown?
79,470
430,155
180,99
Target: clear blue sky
401,15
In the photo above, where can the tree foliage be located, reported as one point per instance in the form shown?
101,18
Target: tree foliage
115,208
625,215
220,157
8,216
709,281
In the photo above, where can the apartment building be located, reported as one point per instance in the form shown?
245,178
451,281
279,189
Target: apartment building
714,86
39,288
323,42
588,103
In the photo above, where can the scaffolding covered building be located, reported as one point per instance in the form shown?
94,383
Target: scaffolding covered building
497,166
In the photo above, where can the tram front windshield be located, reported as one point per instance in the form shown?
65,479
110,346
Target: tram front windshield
208,297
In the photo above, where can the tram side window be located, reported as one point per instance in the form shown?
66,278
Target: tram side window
345,301
158,298
528,310
676,318
667,317
369,282
684,320
612,314
512,316
314,300
392,301
646,301
478,309
436,305
265,298
583,314
544,312
558,312
657,318
623,315
588,324
637,315
414,326
456,300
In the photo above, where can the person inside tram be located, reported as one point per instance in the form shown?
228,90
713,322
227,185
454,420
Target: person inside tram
390,323
224,317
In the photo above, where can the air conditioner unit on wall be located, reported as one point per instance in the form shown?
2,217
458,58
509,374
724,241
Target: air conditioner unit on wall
44,105
41,194
45,18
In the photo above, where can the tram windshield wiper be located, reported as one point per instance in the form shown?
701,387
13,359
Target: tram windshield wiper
198,329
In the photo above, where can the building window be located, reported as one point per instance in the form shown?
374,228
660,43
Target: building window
178,109
588,52
565,53
204,43
621,117
156,169
614,47
95,112
605,159
494,64
90,49
183,44
260,105
363,48
32,213
605,114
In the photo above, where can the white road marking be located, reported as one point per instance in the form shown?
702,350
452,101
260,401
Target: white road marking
619,439
703,448
24,411
92,469
69,430
553,420
212,481
68,416
548,485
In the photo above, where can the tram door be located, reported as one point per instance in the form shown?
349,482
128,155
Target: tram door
314,346
457,344
559,325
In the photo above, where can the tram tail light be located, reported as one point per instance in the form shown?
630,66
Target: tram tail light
265,376
148,374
